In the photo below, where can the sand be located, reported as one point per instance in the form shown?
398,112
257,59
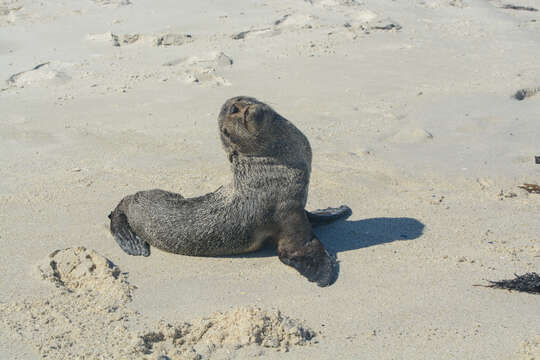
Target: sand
88,317
411,111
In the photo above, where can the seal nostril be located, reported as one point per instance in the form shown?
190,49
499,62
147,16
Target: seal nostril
233,109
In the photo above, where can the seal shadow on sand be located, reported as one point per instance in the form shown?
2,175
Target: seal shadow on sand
353,235
345,235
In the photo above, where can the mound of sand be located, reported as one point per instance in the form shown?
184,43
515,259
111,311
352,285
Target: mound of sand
85,271
88,317
89,299
225,333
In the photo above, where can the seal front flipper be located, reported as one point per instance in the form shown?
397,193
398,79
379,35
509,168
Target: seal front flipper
125,236
328,215
298,247
312,261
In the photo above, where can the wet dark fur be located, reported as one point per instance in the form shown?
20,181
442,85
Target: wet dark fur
271,164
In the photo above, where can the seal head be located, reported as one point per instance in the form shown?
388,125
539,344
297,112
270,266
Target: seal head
250,128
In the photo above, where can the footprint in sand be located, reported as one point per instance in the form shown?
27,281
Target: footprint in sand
208,70
112,2
49,73
114,39
159,40
333,3
170,39
9,11
366,21
411,136
286,22
297,21
261,32
91,297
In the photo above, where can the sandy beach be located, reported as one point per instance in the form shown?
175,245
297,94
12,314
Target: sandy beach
410,110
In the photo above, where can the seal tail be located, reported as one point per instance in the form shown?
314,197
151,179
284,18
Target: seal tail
328,215
125,236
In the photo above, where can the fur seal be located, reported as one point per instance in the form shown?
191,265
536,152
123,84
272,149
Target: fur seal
271,164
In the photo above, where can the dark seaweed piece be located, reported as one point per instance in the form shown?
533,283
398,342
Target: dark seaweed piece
529,282
517,7
522,94
531,188
390,26
240,35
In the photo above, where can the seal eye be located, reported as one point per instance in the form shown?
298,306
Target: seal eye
225,132
233,109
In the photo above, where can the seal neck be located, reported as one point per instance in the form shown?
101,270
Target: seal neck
265,173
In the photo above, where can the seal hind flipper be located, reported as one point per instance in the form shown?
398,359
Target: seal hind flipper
126,237
328,215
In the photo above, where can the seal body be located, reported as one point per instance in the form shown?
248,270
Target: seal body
271,164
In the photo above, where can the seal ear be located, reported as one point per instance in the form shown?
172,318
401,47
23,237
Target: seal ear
312,261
